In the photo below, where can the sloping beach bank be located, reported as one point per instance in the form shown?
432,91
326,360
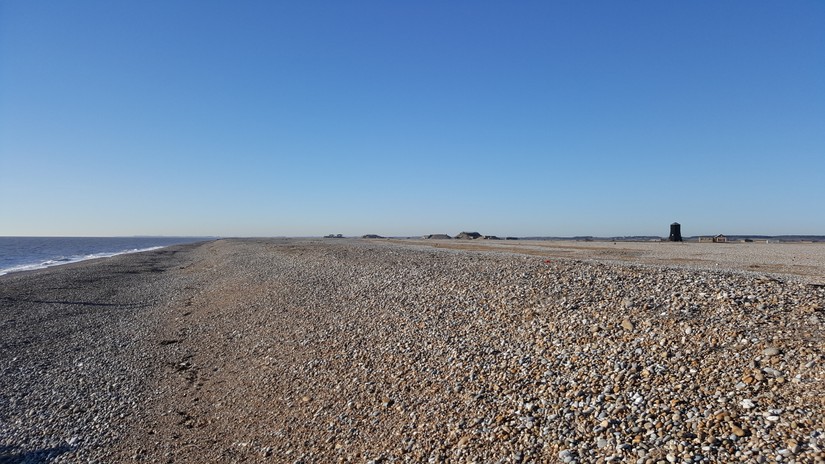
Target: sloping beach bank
339,350
75,352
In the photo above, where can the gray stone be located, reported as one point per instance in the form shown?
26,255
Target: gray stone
770,351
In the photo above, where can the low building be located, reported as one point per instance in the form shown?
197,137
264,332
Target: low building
468,236
720,239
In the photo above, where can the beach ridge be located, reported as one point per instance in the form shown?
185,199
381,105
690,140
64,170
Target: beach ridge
287,350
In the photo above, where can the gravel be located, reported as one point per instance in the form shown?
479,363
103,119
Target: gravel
371,351
72,363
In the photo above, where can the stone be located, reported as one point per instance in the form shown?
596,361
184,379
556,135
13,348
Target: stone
628,325
772,372
793,446
770,351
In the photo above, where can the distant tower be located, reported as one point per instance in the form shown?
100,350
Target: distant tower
675,232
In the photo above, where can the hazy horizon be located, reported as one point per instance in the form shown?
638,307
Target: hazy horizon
452,234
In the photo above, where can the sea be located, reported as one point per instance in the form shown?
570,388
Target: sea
29,253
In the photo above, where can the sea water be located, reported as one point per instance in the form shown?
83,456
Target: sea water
29,253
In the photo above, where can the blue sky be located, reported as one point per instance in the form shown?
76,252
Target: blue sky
403,118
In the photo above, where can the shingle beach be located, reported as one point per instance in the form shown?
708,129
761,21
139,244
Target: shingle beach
339,350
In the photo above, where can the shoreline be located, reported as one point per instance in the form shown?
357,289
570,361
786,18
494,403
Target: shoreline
281,350
55,261
73,367
63,262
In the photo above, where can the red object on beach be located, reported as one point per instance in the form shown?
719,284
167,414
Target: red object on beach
547,261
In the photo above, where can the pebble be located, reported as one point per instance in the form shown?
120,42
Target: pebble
348,351
772,372
566,456
770,351
738,431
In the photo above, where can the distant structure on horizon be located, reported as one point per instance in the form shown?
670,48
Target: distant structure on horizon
675,232
468,236
465,236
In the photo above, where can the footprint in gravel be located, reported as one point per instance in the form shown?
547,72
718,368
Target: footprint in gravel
189,371
186,419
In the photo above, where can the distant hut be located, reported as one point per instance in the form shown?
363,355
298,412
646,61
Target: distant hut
720,239
675,232
468,236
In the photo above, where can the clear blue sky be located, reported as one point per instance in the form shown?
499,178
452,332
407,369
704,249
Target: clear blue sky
402,118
